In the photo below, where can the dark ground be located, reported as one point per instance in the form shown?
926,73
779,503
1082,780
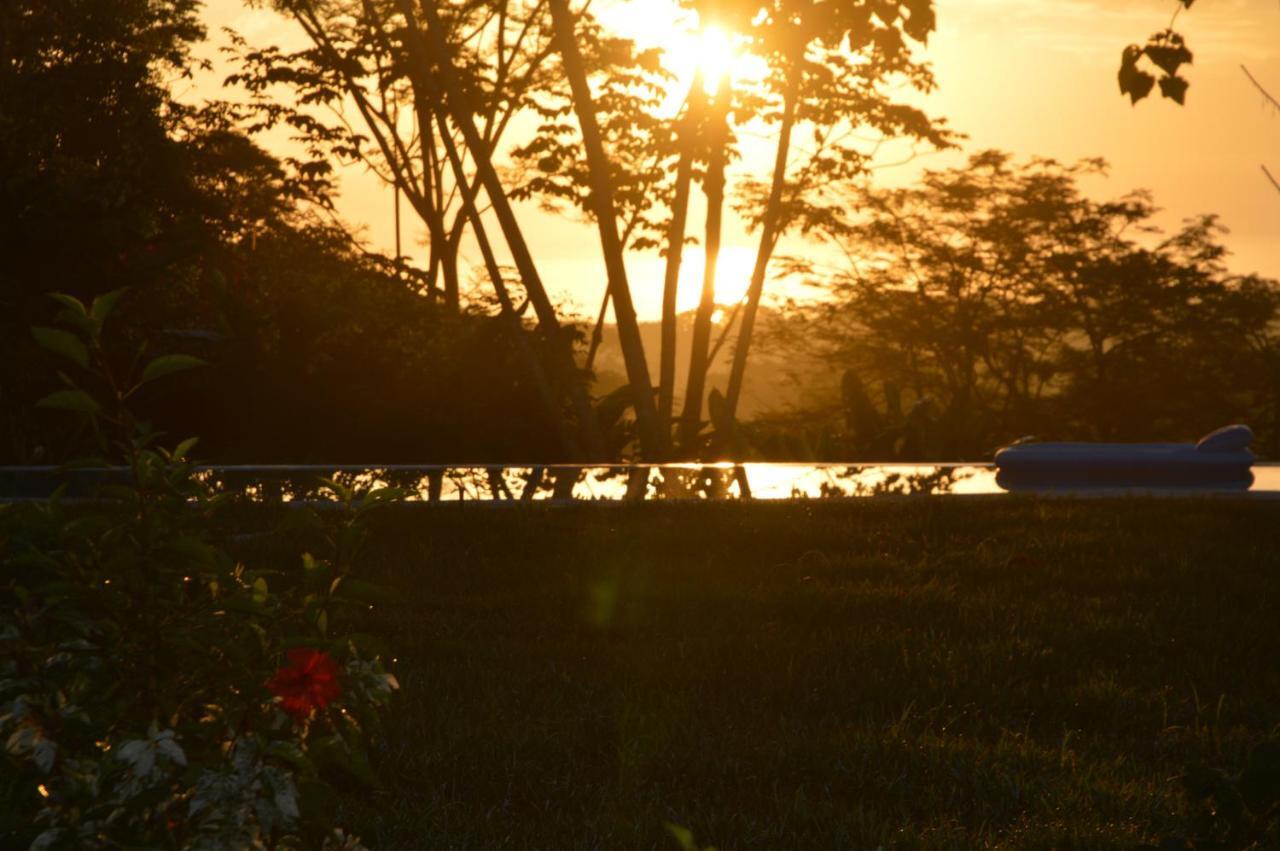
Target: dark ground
935,673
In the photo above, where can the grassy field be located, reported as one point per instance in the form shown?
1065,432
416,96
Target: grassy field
933,673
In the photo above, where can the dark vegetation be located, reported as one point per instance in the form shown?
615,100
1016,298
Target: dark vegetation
990,302
998,300
909,674
182,671
154,691
318,350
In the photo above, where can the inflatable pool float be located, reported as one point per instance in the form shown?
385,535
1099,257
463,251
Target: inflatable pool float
1221,459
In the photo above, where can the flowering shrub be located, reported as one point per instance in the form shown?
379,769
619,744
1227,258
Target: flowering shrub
309,682
154,691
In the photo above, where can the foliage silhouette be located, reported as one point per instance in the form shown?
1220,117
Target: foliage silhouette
1018,305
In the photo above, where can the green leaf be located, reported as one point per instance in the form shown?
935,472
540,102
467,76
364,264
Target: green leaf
71,400
682,835
169,364
104,304
290,753
184,448
191,551
70,302
333,752
63,343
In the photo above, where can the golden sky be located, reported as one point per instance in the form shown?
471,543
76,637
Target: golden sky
1035,77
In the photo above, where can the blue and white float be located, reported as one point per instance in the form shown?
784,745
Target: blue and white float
1220,459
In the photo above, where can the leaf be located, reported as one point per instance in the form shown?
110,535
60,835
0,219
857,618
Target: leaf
333,752
682,835
169,364
1134,82
51,838
139,754
63,343
104,304
1168,57
1174,88
167,746
44,753
71,400
184,448
290,753
70,302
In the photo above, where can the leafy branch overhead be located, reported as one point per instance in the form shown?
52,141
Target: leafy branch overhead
1166,51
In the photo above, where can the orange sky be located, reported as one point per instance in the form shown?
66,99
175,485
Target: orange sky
1029,76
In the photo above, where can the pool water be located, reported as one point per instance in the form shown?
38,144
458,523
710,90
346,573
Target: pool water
560,483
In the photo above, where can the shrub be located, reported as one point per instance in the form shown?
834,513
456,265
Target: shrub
154,691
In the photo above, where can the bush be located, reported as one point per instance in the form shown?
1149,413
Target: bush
153,690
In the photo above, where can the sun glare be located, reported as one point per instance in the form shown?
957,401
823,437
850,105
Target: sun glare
733,276
689,48
714,57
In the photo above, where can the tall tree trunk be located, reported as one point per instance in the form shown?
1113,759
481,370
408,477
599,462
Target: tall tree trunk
769,231
433,214
550,402
597,332
653,442
699,362
675,253
449,271
593,442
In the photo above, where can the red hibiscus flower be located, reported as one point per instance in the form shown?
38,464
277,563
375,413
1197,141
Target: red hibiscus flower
308,682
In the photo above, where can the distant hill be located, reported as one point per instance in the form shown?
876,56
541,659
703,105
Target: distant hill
774,384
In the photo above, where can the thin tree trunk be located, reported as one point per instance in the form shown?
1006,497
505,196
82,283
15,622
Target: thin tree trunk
433,215
653,444
449,256
768,239
549,401
593,442
675,254
699,363
597,333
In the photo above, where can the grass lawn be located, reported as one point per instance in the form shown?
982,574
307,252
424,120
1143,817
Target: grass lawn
920,673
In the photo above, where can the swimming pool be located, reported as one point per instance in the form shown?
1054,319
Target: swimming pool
565,483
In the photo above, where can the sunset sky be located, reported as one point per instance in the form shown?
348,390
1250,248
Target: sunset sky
1027,76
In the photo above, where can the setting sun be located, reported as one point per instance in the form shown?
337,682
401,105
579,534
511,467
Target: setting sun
733,275
714,57
690,49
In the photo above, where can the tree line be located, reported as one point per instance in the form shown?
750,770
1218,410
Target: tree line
427,95
997,300
322,349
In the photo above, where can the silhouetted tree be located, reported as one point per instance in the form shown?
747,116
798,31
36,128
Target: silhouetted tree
1017,305
830,65
318,349
97,189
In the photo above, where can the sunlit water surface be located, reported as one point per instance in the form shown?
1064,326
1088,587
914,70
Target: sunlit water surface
681,482
696,482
